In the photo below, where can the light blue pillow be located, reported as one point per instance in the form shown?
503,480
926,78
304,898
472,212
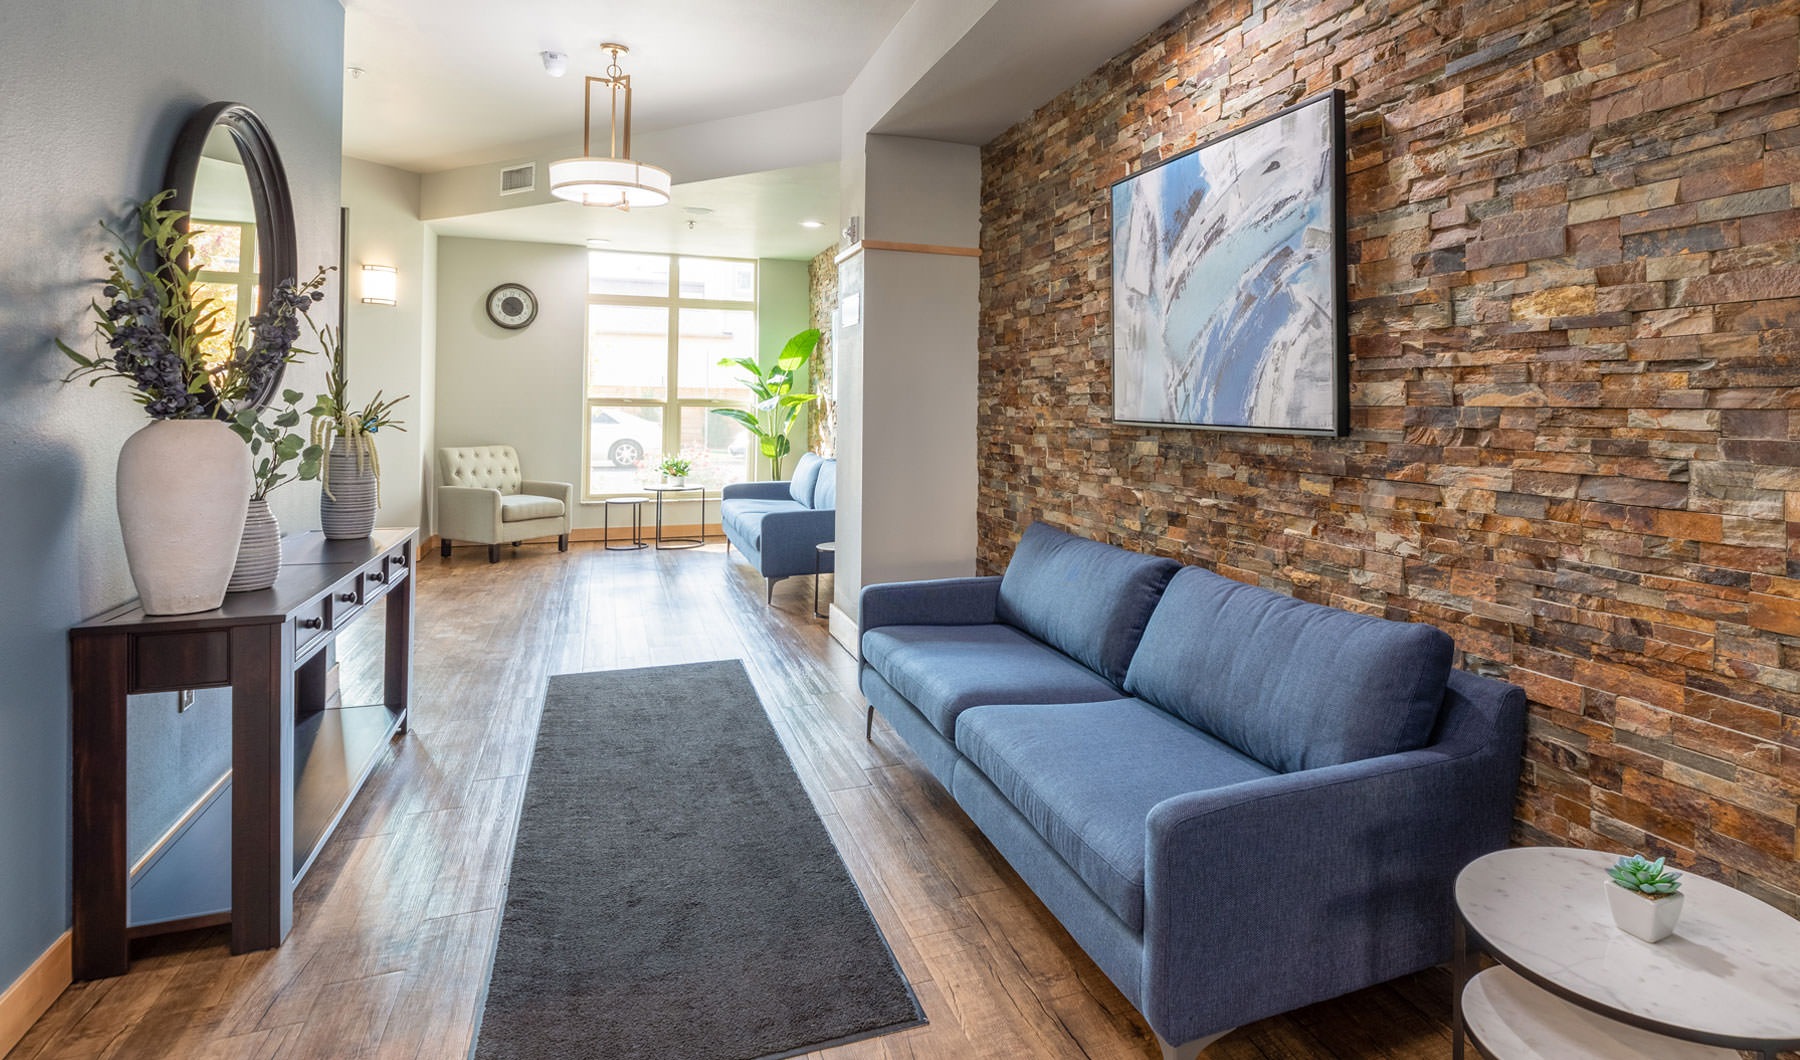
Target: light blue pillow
806,475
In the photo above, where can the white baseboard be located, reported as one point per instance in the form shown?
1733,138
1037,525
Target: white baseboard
32,994
844,631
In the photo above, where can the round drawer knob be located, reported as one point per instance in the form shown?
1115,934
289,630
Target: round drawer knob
348,598
312,623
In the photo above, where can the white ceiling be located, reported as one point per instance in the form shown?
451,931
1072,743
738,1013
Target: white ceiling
756,215
449,83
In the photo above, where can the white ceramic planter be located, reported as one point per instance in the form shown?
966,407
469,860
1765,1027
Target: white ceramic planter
1650,919
259,551
184,489
347,505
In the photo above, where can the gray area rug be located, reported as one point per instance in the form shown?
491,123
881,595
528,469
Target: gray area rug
673,893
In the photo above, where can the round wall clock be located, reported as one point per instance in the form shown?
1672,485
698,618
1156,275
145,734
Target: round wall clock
512,305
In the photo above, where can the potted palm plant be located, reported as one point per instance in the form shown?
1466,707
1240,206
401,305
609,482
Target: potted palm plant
777,406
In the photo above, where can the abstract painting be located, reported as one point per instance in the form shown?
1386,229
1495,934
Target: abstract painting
1228,281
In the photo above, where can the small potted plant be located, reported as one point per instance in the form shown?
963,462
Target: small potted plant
351,472
1645,897
674,470
275,446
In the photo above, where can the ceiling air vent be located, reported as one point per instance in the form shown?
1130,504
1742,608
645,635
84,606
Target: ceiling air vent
519,178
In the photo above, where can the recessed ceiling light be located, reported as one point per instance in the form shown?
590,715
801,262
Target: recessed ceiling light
596,243
810,223
355,72
697,211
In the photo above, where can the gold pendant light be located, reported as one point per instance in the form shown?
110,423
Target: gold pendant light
615,179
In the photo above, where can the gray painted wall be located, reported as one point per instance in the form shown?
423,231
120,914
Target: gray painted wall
94,92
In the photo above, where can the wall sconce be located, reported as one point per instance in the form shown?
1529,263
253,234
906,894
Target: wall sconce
380,285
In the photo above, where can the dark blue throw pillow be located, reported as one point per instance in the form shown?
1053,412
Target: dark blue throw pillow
1087,599
1291,684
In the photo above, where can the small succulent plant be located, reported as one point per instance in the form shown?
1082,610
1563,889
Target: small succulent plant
1645,877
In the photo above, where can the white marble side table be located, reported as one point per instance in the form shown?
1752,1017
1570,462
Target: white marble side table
1569,983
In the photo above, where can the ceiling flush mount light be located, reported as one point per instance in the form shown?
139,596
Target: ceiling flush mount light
556,64
380,285
614,179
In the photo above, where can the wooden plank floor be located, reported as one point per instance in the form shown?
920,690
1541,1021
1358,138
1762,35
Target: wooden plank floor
394,928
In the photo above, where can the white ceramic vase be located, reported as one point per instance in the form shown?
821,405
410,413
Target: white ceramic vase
184,489
347,505
1650,919
259,551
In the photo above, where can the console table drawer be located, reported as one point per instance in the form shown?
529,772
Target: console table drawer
310,623
170,662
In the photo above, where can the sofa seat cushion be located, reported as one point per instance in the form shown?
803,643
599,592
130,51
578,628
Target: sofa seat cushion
1292,684
945,670
1086,776
524,507
743,517
1089,599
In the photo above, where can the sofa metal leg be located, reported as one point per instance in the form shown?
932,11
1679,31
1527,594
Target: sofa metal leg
1188,1050
516,544
444,547
562,542
869,725
493,553
769,596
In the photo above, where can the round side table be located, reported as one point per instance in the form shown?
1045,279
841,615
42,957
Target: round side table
1570,983
636,504
663,541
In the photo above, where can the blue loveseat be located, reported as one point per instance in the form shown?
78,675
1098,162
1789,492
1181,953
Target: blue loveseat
1238,803
778,526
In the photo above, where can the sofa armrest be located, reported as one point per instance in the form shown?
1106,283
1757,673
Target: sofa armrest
468,513
756,491
1265,896
790,540
562,491
939,602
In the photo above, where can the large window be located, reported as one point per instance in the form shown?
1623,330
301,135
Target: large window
658,326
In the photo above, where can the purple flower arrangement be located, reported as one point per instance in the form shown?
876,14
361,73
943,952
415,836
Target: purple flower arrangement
152,326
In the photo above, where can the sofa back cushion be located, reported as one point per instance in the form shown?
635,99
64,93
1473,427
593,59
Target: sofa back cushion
1292,684
494,467
1087,599
806,474
825,489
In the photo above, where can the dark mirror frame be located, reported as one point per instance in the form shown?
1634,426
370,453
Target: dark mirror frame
275,235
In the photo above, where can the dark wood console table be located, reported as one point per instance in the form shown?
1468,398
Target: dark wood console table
270,648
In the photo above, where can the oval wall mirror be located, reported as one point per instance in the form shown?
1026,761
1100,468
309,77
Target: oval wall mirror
229,180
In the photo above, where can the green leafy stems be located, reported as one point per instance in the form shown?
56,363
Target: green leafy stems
674,466
777,406
275,445
334,417
1645,877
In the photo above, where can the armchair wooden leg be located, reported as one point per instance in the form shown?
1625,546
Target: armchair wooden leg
562,542
444,547
516,544
493,553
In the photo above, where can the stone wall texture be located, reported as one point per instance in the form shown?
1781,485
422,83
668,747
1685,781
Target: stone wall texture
1575,318
822,281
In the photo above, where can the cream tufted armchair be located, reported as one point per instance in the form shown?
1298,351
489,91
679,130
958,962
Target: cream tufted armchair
487,501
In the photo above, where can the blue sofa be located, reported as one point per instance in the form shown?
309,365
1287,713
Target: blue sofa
1237,803
778,526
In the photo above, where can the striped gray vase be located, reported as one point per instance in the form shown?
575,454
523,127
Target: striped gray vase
347,512
259,551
